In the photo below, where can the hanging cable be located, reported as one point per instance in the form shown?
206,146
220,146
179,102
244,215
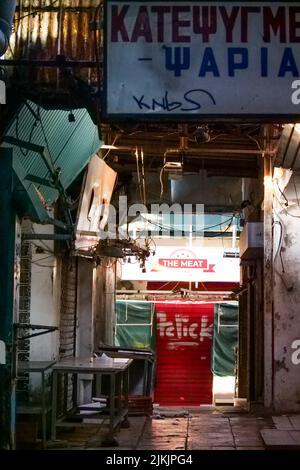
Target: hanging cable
143,177
109,150
164,227
284,207
161,182
295,187
138,174
282,194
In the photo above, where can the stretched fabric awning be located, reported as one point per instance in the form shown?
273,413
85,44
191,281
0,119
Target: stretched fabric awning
225,339
135,325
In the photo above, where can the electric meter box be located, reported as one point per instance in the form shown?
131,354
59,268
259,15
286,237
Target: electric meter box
252,241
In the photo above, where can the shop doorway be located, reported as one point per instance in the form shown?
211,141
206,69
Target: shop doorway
184,346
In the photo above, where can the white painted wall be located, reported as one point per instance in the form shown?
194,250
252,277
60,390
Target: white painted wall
85,314
45,297
287,302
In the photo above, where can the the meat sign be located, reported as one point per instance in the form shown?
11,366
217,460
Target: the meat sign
190,59
197,264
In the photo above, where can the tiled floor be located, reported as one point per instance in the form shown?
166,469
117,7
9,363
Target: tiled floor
198,430
286,433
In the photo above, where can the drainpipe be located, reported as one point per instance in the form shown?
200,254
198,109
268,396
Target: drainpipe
7,11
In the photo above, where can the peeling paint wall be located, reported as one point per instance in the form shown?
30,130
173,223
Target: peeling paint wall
287,298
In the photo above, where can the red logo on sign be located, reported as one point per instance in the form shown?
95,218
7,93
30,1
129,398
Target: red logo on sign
187,263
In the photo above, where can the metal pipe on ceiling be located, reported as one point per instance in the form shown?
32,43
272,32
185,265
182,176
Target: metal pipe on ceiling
287,145
191,152
170,292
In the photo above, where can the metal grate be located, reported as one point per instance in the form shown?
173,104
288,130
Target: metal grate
24,316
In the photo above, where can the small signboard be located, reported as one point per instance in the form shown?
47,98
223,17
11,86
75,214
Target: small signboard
193,60
197,264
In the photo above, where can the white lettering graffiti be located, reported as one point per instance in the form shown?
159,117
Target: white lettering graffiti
296,354
296,94
182,327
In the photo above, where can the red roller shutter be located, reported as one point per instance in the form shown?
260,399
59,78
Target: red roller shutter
184,341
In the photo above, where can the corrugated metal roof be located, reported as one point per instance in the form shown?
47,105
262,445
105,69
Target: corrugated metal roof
61,27
70,144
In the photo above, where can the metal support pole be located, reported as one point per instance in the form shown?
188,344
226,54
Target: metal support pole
268,281
7,249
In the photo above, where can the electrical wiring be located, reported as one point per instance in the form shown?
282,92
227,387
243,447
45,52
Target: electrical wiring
151,240
212,139
161,182
281,260
138,174
255,140
282,194
292,215
296,192
283,275
41,242
285,207
44,266
109,150
279,245
151,193
37,262
143,178
41,259
224,231
175,287
162,227
164,285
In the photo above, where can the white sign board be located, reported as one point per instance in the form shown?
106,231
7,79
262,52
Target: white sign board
185,264
191,59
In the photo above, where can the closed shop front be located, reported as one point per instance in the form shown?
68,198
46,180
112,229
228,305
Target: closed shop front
184,343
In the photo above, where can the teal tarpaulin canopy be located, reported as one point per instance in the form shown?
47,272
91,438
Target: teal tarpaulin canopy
135,328
225,339
135,325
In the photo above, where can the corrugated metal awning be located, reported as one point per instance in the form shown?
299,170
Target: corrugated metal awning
70,140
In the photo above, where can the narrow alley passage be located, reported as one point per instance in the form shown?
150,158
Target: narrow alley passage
176,429
150,220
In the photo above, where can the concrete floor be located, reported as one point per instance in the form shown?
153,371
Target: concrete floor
177,430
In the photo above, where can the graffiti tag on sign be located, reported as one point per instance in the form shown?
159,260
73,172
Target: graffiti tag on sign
179,59
181,327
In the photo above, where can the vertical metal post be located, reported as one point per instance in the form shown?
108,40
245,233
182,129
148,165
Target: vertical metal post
44,412
54,404
7,249
268,279
112,405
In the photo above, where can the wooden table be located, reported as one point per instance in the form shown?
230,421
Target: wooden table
116,411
